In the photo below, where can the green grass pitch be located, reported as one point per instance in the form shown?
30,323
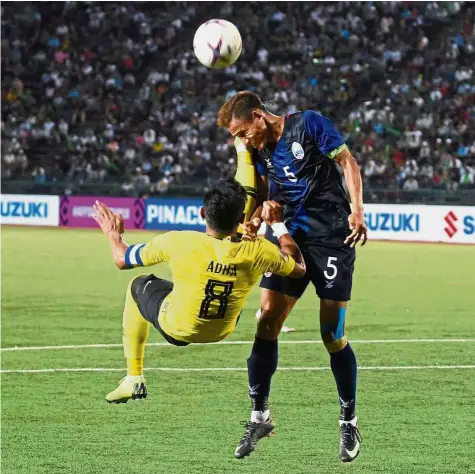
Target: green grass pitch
59,287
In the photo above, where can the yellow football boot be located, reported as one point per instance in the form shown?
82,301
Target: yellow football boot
129,388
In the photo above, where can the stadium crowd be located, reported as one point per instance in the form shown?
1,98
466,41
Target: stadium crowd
111,92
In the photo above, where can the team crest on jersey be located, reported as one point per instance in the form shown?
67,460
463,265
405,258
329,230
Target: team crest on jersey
297,151
268,274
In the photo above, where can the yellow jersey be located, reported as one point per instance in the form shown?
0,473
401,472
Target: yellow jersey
212,279
247,177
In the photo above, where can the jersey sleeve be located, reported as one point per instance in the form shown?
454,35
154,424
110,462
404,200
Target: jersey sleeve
155,251
323,133
274,261
246,175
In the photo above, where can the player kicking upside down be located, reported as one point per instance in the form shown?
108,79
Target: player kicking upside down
213,273
297,154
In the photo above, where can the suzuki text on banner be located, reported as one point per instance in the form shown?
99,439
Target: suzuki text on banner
76,211
451,224
173,214
20,209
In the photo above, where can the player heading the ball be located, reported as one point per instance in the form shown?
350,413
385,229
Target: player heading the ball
300,159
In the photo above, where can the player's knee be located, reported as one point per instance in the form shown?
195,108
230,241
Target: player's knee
268,329
332,325
275,307
333,335
333,343
271,321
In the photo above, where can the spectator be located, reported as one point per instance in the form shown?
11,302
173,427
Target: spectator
411,184
467,176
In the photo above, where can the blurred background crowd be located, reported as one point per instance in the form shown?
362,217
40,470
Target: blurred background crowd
109,93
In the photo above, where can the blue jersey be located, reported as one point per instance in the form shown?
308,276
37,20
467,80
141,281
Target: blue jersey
304,177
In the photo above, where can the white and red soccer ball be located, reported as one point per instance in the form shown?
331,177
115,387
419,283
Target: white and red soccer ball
217,44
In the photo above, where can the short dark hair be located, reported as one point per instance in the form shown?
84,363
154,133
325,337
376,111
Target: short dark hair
239,106
224,205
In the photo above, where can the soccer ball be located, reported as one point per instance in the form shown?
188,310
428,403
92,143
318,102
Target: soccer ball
217,44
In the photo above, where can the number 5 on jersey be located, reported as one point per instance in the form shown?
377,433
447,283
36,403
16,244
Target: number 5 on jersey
289,174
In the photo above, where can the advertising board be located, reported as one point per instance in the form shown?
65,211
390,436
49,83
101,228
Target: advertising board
173,214
76,211
21,209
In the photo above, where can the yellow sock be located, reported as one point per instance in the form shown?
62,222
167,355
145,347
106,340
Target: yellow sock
246,175
135,331
135,366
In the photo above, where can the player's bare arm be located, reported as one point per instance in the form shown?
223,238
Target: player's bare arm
353,181
272,215
112,225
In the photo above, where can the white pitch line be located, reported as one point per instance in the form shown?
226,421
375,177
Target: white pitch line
228,369
232,343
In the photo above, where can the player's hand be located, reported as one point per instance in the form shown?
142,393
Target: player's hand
358,228
250,228
110,222
271,212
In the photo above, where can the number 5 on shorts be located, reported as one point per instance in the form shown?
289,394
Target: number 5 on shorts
334,270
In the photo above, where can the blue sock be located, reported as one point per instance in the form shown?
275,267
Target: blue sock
261,366
344,368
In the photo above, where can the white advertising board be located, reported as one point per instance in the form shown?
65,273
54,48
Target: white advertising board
419,223
454,224
20,209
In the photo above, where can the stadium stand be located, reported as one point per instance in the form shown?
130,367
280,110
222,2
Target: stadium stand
135,115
